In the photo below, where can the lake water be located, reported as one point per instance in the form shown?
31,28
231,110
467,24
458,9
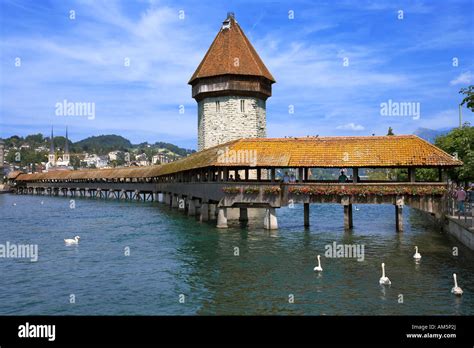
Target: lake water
173,255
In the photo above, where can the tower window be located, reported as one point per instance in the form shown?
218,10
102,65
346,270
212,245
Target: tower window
242,106
218,106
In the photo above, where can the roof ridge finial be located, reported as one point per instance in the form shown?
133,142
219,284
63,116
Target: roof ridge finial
230,17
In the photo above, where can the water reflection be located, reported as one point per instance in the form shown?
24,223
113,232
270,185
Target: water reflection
383,292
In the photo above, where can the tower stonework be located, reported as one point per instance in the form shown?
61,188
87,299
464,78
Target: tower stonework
229,123
231,86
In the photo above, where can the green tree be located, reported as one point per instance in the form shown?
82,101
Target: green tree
469,97
35,140
25,157
426,174
13,141
120,159
400,174
75,162
460,142
60,142
390,131
381,174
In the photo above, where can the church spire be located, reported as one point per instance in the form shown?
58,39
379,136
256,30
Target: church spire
51,149
66,158
52,155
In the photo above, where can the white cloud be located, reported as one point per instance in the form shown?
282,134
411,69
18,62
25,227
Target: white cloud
464,78
351,126
85,62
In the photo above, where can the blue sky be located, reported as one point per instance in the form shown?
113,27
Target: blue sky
82,60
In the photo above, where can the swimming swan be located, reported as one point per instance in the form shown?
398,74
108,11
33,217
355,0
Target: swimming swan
384,280
72,241
456,290
417,255
318,268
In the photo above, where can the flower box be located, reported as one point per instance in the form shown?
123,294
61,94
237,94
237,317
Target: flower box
272,190
364,191
252,190
231,189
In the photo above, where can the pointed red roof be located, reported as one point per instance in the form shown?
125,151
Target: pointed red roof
231,53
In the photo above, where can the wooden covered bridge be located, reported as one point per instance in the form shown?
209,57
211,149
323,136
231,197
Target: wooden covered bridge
246,173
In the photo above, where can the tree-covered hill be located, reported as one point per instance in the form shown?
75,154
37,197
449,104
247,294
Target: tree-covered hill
102,144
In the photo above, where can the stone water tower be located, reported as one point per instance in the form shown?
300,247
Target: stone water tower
231,86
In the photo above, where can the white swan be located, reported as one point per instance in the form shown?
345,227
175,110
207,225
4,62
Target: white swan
417,255
356,208
456,290
72,241
318,268
14,204
384,280
42,202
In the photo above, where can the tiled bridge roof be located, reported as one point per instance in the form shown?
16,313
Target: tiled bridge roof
323,152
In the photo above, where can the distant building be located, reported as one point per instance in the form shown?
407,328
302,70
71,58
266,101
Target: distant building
113,156
142,159
64,161
160,158
102,162
55,162
8,168
41,149
95,161
52,156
